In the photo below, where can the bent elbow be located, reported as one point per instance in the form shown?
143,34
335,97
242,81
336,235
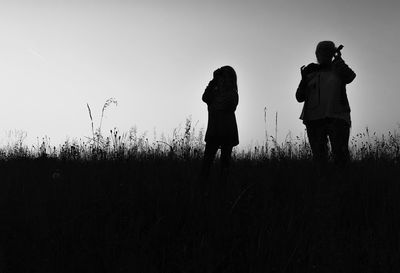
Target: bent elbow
300,97
205,98
351,78
300,92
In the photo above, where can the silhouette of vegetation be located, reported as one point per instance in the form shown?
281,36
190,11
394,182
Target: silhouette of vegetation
122,203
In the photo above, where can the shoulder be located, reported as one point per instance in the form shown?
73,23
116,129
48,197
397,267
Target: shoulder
312,67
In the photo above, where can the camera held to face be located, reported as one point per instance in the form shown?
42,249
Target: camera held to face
218,80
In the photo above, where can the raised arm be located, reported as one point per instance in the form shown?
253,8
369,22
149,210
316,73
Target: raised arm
344,71
209,93
301,90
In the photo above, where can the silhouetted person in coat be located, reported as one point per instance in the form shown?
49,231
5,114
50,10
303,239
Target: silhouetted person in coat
326,110
221,96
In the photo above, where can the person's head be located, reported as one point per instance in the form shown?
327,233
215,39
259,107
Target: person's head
325,51
226,78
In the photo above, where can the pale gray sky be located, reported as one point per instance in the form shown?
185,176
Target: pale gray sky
156,57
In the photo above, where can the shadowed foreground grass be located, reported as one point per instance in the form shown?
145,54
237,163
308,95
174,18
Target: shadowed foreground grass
150,215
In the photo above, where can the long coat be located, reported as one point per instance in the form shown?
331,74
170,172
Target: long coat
221,128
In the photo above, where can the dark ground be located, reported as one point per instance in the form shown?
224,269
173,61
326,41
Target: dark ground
149,215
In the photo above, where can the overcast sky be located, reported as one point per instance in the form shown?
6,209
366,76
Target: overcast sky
156,57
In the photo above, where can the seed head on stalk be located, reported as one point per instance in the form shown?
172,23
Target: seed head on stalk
96,135
91,118
105,106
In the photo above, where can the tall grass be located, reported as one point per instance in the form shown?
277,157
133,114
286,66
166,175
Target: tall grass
187,142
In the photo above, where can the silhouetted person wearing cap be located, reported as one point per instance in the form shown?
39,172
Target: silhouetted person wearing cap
221,96
326,110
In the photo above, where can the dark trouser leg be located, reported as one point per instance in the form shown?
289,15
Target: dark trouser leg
339,134
318,138
226,151
209,155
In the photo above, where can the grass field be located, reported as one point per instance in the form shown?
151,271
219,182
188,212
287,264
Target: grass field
123,204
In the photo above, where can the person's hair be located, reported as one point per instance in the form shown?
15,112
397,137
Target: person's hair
230,76
326,47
